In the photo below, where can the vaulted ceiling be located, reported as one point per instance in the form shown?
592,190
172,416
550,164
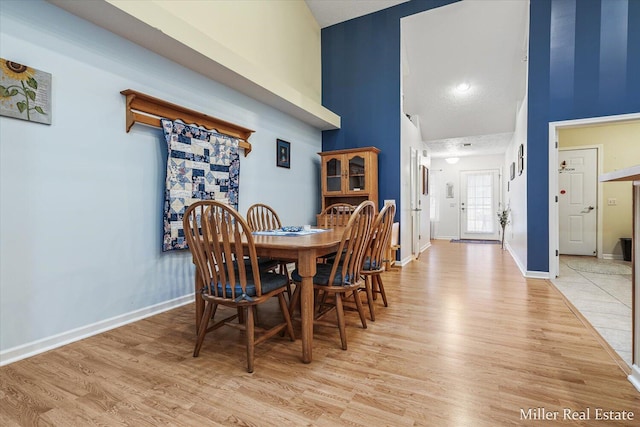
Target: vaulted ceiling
482,43
330,12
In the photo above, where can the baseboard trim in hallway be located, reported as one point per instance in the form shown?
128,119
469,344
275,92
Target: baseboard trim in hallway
634,377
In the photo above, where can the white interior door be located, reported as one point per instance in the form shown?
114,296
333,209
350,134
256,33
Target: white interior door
577,201
415,171
479,201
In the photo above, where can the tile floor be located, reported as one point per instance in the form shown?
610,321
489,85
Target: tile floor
603,299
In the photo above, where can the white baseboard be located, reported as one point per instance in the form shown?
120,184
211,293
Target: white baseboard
404,261
526,273
49,343
523,270
446,238
612,256
408,259
634,378
537,275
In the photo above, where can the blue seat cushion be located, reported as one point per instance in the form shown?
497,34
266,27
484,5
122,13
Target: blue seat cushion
323,271
270,282
367,265
264,263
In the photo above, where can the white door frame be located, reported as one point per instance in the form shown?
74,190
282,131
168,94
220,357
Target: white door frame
554,221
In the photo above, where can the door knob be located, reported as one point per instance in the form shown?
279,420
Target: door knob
590,208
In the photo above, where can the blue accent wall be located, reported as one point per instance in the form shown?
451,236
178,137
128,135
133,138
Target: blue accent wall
584,61
361,83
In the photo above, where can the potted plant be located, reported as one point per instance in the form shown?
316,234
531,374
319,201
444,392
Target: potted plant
503,218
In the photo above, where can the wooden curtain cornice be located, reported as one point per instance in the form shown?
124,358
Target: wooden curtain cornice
142,108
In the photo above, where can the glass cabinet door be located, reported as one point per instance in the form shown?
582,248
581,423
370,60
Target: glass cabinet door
348,176
333,173
356,174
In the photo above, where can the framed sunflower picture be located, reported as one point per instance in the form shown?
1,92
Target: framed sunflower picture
25,93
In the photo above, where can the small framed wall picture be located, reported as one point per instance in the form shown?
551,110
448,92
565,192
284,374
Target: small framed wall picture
425,180
283,154
449,190
520,159
520,165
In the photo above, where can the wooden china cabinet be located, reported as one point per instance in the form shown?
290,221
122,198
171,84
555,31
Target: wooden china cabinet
349,176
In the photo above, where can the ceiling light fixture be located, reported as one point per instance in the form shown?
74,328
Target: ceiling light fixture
463,87
452,160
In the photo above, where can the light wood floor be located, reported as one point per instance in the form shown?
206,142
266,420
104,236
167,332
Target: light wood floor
465,341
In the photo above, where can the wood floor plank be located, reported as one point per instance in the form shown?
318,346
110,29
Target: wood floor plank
466,340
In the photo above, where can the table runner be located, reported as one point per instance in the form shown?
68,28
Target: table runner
285,232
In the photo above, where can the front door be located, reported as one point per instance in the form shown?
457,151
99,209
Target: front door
479,198
577,200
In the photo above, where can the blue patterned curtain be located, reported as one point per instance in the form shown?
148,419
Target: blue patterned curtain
202,165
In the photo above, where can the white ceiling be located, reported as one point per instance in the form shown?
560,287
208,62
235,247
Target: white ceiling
329,12
482,42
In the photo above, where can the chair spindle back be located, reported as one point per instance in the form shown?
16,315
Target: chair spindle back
336,215
352,247
215,234
380,238
261,217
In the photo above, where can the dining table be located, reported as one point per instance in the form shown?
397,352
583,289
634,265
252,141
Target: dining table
304,248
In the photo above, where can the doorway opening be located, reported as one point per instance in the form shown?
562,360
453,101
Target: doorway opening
554,129
600,290
415,201
479,201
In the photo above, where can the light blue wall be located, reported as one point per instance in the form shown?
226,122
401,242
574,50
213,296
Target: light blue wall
81,200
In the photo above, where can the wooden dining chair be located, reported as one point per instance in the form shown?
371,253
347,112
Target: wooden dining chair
261,217
218,238
341,278
336,215
374,261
